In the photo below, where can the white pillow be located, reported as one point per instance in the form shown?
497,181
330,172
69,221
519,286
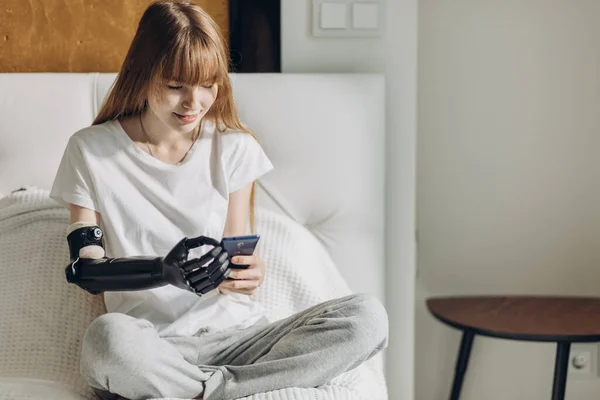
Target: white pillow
43,317
35,389
299,270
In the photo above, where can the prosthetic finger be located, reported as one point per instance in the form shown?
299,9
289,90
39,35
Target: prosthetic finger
199,262
198,241
215,269
208,278
213,281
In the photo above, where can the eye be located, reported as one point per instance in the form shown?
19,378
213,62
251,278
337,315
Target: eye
174,87
208,86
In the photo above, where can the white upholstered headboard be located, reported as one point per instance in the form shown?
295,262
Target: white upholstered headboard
323,132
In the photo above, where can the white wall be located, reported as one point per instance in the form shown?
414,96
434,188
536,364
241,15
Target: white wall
395,55
508,178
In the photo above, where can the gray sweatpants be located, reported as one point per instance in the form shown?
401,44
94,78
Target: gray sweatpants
125,355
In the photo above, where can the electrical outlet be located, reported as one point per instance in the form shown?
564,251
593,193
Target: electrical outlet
583,360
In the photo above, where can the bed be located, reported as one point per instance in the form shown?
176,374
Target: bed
321,212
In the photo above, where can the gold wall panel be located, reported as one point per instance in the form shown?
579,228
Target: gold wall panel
75,35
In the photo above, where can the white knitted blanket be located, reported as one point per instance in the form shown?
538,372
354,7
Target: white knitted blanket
44,318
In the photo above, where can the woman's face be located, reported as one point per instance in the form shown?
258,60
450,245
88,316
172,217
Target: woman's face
181,107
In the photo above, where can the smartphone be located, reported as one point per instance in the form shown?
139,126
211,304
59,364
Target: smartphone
240,246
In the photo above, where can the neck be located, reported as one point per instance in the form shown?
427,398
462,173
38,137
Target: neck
160,136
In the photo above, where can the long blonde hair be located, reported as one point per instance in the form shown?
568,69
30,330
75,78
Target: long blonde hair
175,40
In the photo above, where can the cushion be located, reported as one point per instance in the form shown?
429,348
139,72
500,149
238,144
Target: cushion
43,317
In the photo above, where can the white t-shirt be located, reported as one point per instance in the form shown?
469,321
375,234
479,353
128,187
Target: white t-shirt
147,206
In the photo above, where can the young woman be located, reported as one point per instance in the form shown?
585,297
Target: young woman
165,168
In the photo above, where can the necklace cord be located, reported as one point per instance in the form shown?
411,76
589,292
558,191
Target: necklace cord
147,138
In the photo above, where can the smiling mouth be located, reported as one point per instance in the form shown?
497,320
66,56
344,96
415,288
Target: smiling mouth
187,117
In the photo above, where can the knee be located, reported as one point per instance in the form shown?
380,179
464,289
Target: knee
107,332
107,344
371,320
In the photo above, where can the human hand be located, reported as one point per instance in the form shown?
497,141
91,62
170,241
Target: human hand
246,280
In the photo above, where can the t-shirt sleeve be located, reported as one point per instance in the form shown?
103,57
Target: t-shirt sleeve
73,183
246,162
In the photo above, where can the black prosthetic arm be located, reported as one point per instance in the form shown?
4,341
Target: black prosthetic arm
115,274
198,275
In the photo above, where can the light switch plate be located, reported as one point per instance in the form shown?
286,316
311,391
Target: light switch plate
333,15
363,18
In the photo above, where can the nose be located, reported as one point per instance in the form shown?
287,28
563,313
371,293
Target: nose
192,99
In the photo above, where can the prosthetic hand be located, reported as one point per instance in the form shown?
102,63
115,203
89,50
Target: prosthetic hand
90,270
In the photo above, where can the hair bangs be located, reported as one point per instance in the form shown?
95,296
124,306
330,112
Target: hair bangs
193,62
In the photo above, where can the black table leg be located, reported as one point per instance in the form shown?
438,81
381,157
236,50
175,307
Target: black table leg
560,370
461,363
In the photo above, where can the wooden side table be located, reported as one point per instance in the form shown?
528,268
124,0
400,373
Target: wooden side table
563,320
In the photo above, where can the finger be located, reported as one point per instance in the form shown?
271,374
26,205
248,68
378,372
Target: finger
199,262
211,282
198,241
219,263
198,276
245,274
212,273
244,260
239,285
191,265
206,289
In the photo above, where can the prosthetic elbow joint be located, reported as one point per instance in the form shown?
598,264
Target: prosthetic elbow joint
85,242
